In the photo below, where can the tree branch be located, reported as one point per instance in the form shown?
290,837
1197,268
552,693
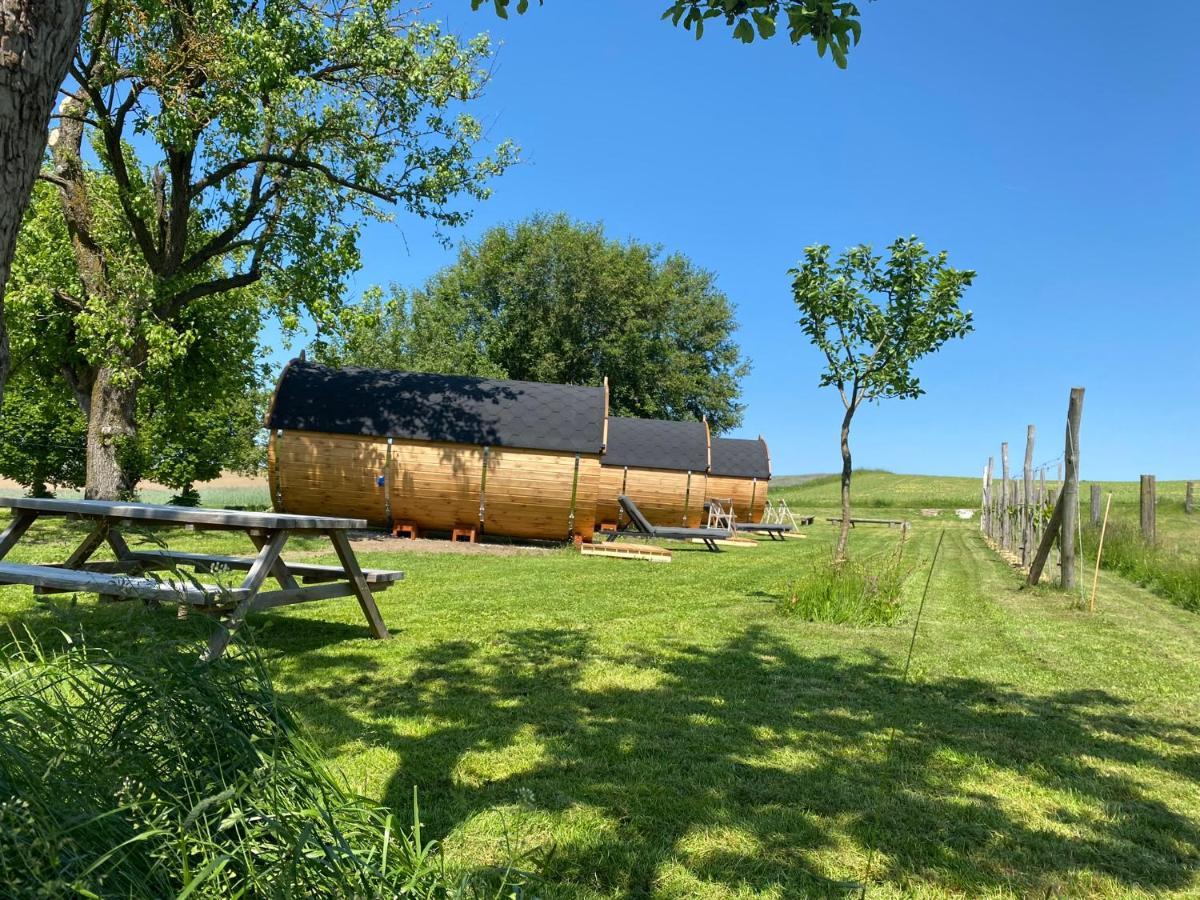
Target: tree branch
293,162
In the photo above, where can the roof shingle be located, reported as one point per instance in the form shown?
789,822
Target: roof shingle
458,409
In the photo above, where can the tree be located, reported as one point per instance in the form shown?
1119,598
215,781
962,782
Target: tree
42,434
36,39
873,319
831,24
549,299
200,401
244,144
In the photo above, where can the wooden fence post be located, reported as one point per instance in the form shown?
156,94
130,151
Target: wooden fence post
987,498
1095,503
1070,494
1005,500
1148,503
1187,499
1027,505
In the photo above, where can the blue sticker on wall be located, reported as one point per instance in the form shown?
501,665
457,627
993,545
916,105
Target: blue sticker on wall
381,480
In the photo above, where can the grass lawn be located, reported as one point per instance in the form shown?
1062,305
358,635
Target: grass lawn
660,730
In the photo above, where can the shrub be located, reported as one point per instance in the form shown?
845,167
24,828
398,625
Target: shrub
856,591
144,774
1158,568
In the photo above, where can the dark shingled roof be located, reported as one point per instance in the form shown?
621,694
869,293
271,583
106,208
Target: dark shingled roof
458,409
656,444
740,458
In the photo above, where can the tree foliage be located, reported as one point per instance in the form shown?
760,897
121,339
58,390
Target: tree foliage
240,145
873,319
549,299
200,404
830,24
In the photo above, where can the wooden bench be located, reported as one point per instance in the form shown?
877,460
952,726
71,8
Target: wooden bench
58,580
309,574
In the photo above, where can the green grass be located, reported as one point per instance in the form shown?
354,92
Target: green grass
661,731
136,773
856,591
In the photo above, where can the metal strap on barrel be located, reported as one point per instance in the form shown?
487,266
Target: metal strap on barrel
624,482
487,455
753,492
574,491
278,474
387,485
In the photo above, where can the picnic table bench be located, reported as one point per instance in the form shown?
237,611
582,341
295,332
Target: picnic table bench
130,576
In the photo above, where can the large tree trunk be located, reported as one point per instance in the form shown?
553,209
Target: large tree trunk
112,428
37,38
847,469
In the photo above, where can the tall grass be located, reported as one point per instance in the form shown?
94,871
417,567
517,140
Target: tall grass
1157,568
857,591
143,774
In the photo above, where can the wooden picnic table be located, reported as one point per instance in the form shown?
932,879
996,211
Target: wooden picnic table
126,577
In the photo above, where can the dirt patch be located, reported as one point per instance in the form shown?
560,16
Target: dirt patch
374,542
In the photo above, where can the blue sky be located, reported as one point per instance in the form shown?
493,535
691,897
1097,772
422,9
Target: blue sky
1053,147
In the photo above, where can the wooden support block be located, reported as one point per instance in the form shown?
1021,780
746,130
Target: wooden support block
465,533
608,527
407,530
646,552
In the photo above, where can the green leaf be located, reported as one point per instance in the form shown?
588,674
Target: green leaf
744,31
501,8
766,24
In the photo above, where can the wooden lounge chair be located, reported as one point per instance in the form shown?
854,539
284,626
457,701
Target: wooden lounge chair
639,524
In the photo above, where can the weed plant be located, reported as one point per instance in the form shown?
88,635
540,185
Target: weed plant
144,774
1160,569
857,591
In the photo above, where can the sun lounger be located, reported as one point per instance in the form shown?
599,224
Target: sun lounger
639,524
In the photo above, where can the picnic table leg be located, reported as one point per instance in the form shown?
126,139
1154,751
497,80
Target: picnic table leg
16,529
279,571
263,564
366,600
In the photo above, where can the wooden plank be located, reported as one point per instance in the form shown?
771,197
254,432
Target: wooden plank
646,552
1027,498
177,515
16,529
725,542
270,599
204,561
366,599
76,581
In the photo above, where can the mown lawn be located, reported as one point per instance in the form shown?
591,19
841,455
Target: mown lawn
659,730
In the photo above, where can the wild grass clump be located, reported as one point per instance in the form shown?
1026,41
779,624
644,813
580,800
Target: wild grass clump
1159,569
858,592
144,774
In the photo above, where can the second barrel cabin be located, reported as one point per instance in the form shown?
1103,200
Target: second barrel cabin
503,457
662,466
739,472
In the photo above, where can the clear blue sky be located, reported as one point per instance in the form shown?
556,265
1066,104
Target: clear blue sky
1053,147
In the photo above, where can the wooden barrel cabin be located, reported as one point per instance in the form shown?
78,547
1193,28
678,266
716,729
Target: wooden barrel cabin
739,471
662,466
513,458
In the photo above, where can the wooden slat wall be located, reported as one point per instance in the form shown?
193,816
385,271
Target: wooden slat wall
327,474
749,499
660,494
527,494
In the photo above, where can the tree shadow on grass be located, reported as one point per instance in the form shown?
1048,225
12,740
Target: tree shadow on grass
753,766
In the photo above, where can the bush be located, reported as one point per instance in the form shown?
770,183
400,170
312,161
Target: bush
144,774
1165,572
858,592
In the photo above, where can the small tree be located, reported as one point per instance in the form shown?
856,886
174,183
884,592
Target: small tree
873,319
